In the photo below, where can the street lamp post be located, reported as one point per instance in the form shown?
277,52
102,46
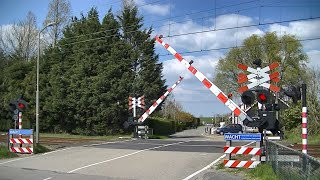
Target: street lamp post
37,92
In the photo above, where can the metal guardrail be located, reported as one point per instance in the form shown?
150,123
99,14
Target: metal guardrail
291,164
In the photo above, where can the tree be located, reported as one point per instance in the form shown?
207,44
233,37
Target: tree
146,77
20,40
286,50
59,11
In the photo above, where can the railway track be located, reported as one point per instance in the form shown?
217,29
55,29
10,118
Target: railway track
313,150
56,140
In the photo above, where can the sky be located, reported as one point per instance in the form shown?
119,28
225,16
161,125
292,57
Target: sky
202,31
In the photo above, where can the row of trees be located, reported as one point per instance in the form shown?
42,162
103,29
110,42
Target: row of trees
86,75
288,51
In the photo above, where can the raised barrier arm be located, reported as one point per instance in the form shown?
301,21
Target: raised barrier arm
156,104
206,82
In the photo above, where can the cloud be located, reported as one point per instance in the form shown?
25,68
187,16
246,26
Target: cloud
300,29
314,58
157,9
191,93
192,36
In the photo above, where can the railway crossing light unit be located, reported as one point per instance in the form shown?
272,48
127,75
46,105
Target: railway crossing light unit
266,115
12,106
247,97
21,105
259,89
264,96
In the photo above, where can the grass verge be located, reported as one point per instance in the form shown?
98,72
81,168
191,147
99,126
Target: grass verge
5,153
40,149
294,137
158,137
261,172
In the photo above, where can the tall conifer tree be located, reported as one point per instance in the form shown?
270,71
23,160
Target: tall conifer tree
147,79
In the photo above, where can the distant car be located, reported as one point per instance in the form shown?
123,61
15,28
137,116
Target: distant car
230,128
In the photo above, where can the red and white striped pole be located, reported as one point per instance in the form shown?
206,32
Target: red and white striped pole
20,120
156,104
206,82
304,119
20,125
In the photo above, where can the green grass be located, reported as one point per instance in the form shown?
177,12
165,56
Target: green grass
220,166
157,137
5,153
40,149
262,172
293,137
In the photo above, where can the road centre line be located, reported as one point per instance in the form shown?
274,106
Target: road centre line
108,160
211,164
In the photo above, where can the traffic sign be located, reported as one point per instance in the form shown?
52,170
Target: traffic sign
16,111
15,117
242,137
21,131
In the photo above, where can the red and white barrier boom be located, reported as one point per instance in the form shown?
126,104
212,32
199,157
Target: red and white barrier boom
206,82
156,104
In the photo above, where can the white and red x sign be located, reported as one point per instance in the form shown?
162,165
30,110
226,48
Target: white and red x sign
259,77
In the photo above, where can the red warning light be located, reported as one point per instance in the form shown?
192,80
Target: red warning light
21,106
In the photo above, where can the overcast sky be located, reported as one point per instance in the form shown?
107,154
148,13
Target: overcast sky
201,30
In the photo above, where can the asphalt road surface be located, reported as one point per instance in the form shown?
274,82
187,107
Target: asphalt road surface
187,155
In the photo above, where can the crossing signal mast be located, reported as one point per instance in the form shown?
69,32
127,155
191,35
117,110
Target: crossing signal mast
136,102
17,107
261,91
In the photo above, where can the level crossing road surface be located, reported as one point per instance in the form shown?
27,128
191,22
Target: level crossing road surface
184,156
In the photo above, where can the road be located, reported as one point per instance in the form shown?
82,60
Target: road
184,156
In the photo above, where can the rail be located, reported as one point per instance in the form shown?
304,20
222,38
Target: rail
291,164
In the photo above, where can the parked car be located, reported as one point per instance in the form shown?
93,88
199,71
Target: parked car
230,128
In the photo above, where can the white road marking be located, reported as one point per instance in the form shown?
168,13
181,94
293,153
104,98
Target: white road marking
108,160
37,155
98,144
208,166
48,178
205,168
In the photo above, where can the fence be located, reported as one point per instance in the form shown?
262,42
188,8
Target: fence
291,164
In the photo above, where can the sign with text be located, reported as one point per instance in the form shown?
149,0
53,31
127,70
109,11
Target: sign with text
242,137
21,131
